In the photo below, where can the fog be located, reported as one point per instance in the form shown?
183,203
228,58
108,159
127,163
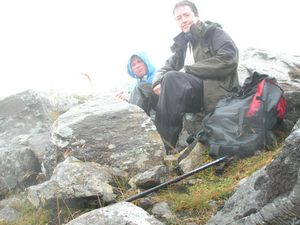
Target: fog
50,45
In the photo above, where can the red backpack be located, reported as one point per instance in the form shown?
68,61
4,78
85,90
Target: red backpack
242,123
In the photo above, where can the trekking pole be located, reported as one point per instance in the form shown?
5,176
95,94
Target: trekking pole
181,177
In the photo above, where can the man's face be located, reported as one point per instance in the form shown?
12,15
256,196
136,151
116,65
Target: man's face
138,67
185,17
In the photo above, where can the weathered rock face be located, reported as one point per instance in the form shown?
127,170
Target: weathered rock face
61,102
292,96
119,135
285,68
24,135
27,116
16,167
271,195
76,181
118,214
8,213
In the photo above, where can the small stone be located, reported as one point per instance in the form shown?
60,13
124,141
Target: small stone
111,146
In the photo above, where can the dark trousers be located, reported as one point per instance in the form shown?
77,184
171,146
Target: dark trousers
144,97
180,93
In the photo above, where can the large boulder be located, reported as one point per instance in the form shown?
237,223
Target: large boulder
25,124
117,134
17,168
76,182
26,115
285,68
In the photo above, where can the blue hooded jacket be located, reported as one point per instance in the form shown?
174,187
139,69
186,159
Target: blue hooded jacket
151,69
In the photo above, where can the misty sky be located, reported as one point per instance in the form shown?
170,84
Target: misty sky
48,44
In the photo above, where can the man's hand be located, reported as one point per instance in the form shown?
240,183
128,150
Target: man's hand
157,89
122,96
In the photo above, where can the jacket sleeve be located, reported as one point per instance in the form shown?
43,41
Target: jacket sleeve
174,63
224,59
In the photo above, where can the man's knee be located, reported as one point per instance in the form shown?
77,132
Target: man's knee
172,76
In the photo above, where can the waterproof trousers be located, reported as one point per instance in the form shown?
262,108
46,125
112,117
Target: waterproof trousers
144,97
180,93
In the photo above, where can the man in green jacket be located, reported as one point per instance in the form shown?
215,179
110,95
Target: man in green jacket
202,69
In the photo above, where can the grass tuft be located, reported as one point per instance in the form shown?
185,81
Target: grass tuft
210,192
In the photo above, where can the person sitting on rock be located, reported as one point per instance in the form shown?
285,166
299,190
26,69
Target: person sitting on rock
142,95
201,70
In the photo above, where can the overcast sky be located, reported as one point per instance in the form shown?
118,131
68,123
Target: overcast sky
48,44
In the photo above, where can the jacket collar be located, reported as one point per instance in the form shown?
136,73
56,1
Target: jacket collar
198,30
181,40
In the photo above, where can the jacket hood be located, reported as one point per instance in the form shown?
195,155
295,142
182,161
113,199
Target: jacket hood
150,67
204,29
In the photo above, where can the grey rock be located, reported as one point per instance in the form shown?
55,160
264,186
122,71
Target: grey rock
76,180
277,65
149,178
145,203
25,133
8,211
123,213
119,135
269,196
17,168
192,160
25,120
162,211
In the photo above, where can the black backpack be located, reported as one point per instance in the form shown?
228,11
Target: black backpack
242,123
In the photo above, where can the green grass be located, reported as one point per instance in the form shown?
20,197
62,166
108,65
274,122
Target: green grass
57,215
203,199
30,215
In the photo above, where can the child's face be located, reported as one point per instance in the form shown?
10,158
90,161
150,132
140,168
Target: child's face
138,67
